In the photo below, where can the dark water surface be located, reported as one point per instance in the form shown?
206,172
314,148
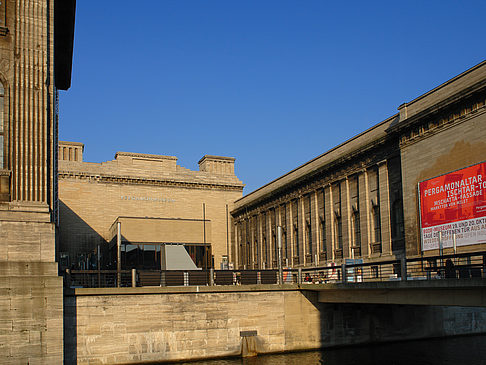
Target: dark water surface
469,350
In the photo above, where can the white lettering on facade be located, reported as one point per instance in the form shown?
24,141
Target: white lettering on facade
147,198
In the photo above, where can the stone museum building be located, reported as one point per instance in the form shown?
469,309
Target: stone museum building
36,46
360,199
159,205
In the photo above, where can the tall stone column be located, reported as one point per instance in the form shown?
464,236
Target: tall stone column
288,229
269,239
260,239
315,226
33,319
364,212
346,218
234,244
256,242
384,208
330,216
290,232
302,235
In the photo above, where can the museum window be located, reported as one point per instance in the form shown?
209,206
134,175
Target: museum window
2,97
308,232
376,224
296,240
356,229
296,243
397,219
286,247
265,252
339,232
256,261
275,248
323,235
248,254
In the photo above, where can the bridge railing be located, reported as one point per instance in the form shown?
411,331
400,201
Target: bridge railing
459,266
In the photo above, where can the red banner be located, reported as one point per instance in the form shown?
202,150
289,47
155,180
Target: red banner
448,200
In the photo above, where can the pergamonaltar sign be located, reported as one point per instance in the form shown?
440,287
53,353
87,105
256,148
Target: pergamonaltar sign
454,203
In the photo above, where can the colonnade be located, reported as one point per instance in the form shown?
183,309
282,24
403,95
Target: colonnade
324,221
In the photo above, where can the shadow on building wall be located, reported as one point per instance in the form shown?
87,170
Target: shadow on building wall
78,241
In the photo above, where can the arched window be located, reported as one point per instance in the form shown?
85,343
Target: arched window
2,127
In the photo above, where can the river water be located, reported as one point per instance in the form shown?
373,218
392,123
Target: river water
467,350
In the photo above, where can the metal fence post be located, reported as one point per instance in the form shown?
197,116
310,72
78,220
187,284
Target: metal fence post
343,273
403,265
134,278
299,276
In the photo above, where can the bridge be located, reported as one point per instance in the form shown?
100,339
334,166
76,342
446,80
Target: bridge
446,280
448,292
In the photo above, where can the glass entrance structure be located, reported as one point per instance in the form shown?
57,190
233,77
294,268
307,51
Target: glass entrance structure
154,256
159,244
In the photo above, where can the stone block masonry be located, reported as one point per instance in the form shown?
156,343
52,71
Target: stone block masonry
137,328
143,325
31,313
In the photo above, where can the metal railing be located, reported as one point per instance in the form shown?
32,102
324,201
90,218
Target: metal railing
459,266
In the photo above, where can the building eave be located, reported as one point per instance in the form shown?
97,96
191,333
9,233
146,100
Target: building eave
358,143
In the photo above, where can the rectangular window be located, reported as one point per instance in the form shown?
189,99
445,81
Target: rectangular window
377,224
285,250
323,221
375,272
339,224
323,236
296,229
357,229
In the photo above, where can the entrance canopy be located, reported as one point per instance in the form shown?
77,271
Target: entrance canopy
162,230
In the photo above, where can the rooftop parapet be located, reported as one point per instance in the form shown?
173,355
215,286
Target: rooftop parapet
147,161
71,151
217,165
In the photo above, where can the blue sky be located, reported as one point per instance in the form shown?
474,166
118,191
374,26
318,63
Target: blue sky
271,83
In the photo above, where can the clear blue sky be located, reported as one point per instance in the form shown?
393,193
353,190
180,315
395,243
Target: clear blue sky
271,83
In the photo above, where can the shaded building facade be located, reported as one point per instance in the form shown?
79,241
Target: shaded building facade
360,199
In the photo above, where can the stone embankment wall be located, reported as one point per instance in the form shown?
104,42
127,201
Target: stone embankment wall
111,326
31,317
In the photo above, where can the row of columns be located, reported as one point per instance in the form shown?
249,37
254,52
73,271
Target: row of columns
313,222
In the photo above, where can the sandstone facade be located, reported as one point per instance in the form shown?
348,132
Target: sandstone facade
93,195
360,200
30,290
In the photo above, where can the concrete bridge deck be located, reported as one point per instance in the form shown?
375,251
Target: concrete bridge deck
453,292
447,292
